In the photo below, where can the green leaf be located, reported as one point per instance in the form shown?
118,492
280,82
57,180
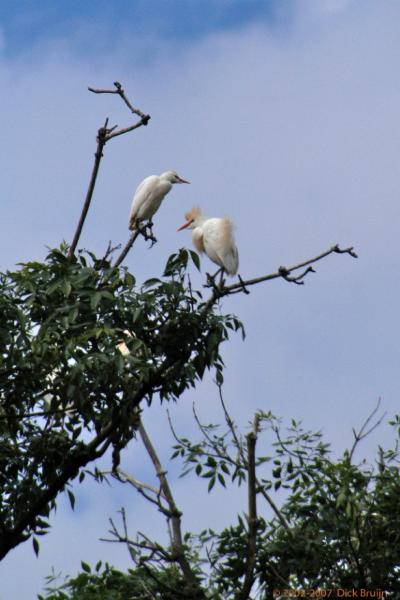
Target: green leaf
36,546
71,499
85,567
98,566
195,258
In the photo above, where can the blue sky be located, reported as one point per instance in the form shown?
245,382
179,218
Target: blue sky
288,121
26,23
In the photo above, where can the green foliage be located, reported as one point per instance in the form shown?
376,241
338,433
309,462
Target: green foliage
107,583
330,524
342,519
67,392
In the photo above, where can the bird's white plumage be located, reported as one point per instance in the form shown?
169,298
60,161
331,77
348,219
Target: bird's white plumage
214,237
219,244
149,195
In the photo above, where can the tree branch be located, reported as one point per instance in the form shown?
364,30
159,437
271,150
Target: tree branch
175,515
282,272
121,92
80,458
101,141
127,247
260,488
143,488
362,433
251,437
103,136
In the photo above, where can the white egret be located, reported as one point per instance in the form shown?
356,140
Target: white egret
149,195
215,238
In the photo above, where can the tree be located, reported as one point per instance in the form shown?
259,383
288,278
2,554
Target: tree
337,529
67,392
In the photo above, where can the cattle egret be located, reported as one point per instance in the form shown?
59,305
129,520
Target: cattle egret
149,195
215,238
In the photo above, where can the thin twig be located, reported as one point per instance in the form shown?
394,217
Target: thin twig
121,92
362,433
110,250
260,487
110,136
274,507
231,425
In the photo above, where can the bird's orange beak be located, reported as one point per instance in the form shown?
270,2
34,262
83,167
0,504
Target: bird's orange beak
184,226
181,180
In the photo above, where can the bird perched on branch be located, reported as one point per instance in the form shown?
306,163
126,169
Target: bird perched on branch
215,238
149,195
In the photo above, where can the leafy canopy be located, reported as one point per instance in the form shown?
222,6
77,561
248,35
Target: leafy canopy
66,391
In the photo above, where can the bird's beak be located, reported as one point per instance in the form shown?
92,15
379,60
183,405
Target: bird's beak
184,226
181,180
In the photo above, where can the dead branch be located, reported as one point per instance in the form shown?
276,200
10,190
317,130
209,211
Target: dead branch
101,141
121,92
282,272
104,134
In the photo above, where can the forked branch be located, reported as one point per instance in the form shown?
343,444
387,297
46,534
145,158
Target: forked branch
104,134
364,431
173,515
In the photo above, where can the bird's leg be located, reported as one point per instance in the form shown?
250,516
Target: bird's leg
150,235
146,231
244,288
211,279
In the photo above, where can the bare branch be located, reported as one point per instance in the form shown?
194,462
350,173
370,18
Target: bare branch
118,132
364,432
121,92
238,444
282,272
175,515
110,250
101,141
127,247
103,136
143,488
274,507
231,426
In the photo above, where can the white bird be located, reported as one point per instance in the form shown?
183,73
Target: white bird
149,195
215,238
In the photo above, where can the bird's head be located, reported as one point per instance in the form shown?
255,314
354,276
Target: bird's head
193,217
173,177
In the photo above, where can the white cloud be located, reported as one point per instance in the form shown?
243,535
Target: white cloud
294,133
